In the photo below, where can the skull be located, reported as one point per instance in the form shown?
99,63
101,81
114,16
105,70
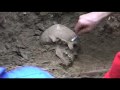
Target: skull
61,36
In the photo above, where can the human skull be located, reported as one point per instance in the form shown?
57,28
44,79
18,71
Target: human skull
61,35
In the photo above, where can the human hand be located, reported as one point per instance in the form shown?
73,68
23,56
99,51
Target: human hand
89,21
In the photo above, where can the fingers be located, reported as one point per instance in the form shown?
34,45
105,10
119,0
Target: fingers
84,26
77,28
81,28
88,22
84,30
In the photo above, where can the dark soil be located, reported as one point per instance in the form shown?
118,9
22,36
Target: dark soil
20,43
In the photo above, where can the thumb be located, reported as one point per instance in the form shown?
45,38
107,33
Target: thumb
78,27
81,28
84,30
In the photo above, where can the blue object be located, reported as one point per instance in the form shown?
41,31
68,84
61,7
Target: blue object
2,70
25,72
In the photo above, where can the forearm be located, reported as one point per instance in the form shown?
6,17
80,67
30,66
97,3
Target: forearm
98,16
88,21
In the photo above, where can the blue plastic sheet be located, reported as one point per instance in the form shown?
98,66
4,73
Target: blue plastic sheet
25,72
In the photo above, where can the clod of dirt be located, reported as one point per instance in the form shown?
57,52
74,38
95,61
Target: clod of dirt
61,36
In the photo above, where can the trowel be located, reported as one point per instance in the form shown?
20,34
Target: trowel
74,38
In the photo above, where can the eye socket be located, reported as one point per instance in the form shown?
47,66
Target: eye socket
75,45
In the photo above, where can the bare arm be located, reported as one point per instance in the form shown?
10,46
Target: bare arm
89,21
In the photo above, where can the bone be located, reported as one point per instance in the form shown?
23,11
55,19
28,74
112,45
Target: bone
61,35
62,54
55,32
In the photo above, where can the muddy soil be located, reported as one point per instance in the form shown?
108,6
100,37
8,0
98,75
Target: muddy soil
20,43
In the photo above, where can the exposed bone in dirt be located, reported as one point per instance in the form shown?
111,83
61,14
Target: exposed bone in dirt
61,35
20,34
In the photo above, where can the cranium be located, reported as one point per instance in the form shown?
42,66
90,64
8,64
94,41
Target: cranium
61,35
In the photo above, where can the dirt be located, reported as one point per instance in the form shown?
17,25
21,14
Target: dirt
20,43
